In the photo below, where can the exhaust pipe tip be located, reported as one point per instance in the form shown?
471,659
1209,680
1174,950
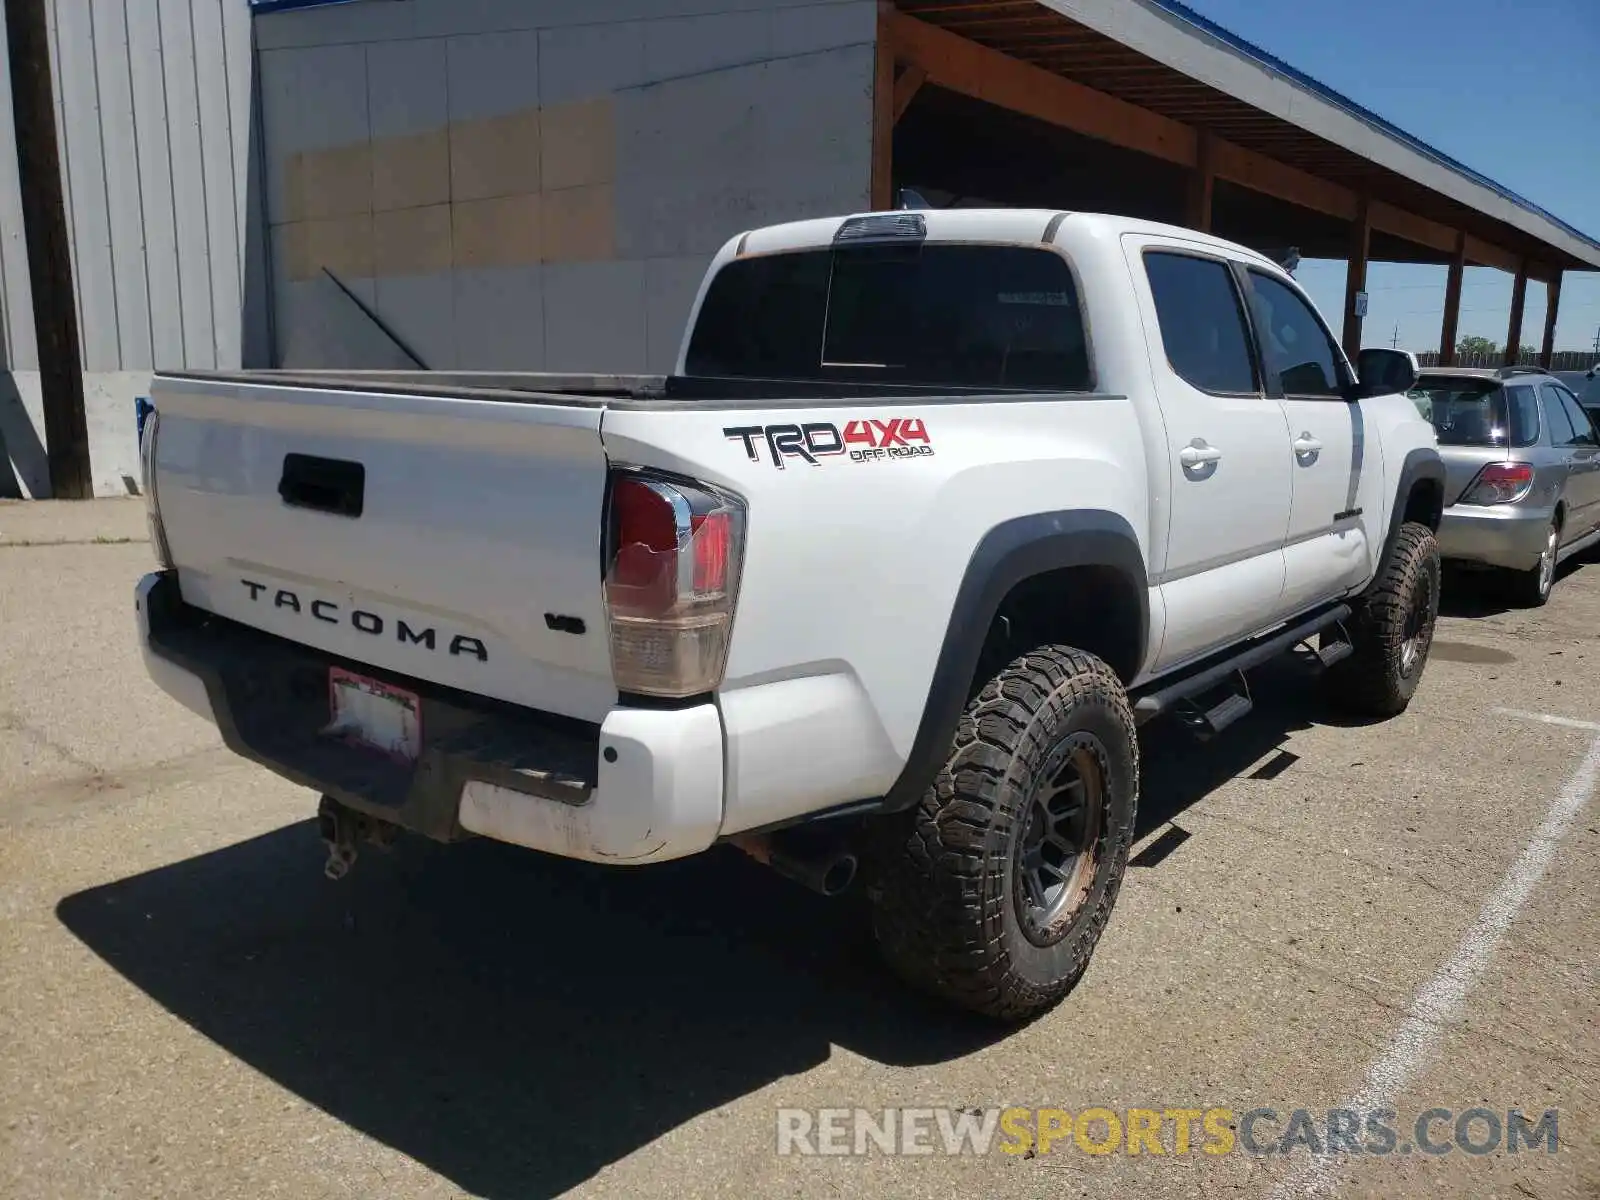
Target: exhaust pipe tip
838,875
828,874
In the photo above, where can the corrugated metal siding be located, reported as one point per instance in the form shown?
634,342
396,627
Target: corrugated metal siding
16,295
154,115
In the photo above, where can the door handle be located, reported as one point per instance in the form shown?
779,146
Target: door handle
1307,447
1198,454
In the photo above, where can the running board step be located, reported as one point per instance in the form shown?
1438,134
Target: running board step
1230,710
1335,652
1207,677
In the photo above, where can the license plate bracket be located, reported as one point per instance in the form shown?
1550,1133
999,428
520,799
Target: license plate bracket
374,715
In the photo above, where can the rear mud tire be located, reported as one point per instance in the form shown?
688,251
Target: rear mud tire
950,883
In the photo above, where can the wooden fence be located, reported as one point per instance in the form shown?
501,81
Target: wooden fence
1562,360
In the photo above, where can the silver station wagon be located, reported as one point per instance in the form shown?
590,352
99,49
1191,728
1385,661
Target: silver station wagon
1522,462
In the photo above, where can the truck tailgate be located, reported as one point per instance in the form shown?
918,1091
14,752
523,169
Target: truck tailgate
451,539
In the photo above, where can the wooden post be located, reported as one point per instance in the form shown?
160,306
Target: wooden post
883,113
1452,303
1202,183
1356,278
1552,291
44,225
1519,294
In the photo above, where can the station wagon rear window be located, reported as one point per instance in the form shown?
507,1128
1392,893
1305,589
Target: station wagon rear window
965,316
1478,412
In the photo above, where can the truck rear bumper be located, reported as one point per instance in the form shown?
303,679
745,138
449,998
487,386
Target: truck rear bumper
644,785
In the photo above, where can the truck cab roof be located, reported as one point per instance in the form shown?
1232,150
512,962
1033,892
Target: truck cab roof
1004,226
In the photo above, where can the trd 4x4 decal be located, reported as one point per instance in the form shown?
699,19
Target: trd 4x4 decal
863,440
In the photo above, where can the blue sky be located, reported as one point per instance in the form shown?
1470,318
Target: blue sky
1513,91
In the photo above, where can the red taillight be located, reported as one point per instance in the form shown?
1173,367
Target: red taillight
712,537
1500,483
671,571
645,559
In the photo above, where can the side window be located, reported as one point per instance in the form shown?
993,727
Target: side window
1522,415
1297,351
1202,322
1581,423
1562,431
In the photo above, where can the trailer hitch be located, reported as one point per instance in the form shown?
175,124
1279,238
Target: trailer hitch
343,829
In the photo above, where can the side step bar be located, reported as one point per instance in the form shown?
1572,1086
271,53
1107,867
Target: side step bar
1164,699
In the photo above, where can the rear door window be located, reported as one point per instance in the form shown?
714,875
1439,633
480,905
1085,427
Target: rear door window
1562,430
1478,412
967,316
1583,428
1202,322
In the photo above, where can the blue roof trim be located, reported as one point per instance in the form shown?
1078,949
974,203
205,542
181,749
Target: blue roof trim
1187,15
271,6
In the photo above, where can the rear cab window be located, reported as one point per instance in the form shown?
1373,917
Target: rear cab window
1478,412
1002,317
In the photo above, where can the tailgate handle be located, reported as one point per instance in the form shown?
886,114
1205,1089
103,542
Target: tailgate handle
328,485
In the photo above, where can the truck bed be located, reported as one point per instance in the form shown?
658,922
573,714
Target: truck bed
600,391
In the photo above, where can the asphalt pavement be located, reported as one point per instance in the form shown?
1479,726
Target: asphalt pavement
1390,918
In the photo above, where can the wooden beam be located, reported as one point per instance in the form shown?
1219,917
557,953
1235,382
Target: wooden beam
1452,303
954,62
883,110
1202,183
906,86
1283,182
1397,222
1519,294
1484,254
1355,279
961,65
1552,307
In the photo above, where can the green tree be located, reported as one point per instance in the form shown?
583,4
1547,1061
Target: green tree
1476,345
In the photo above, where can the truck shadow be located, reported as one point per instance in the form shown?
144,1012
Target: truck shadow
517,1022
512,1021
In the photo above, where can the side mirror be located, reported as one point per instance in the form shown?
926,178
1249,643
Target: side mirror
1384,372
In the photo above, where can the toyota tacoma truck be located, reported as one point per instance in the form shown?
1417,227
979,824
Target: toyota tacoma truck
935,509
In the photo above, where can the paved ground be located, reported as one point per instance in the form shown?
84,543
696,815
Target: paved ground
1403,914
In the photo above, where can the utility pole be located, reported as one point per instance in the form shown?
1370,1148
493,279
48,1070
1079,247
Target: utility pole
1394,342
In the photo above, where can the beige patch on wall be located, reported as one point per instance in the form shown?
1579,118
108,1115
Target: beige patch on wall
538,185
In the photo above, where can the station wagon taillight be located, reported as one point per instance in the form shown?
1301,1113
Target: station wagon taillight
1500,483
673,552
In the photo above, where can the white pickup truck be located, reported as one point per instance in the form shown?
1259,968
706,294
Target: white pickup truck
935,509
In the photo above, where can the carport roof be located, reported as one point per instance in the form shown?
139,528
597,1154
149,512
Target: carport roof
1162,56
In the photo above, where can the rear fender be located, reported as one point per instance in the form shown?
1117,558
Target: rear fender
1009,553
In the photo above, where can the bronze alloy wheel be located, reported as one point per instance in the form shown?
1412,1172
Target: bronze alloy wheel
1057,854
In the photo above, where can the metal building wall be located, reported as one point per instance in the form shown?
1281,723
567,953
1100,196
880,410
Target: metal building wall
155,113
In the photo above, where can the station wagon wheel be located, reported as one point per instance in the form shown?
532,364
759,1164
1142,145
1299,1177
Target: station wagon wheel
1547,561
1533,587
